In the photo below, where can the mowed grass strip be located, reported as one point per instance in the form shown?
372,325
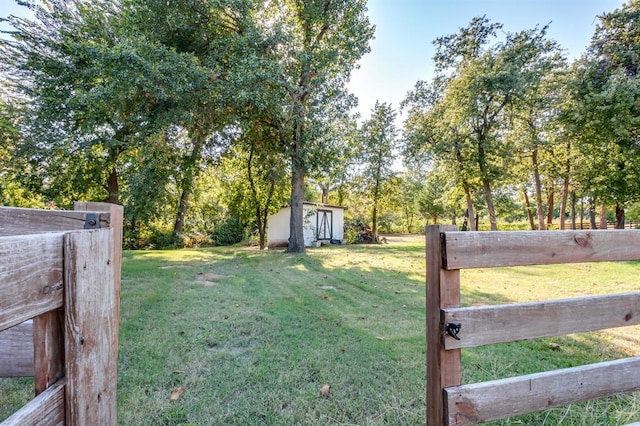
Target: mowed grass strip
236,336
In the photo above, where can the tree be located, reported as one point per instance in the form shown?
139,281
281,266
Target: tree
325,40
378,146
534,129
604,114
469,100
92,89
337,157
432,140
254,174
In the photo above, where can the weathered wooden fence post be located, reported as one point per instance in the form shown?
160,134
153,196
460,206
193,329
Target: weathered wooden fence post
443,291
92,302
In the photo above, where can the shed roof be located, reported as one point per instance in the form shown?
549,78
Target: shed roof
309,203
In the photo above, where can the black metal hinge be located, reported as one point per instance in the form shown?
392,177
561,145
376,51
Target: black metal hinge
92,221
452,329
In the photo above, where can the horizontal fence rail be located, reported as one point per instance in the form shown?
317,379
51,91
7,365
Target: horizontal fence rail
451,327
30,277
45,409
20,221
488,325
462,250
494,400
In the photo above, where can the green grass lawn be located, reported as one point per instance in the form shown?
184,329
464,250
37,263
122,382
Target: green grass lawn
251,337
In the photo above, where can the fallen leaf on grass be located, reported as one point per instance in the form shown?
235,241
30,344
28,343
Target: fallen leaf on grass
554,346
178,371
325,389
177,393
379,337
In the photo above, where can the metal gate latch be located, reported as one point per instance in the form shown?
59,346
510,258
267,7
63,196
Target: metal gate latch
453,329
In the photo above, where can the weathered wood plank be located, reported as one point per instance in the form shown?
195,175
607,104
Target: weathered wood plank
115,214
48,344
486,325
498,399
30,277
21,221
45,409
91,328
443,291
492,249
16,351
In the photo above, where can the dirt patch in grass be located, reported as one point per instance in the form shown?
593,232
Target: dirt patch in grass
210,279
403,238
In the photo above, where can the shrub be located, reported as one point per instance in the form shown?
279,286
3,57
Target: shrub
230,231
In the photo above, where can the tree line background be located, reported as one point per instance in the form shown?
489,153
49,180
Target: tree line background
202,117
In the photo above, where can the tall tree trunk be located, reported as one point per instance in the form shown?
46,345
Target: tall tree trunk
470,212
581,213
532,225
565,189
296,225
488,195
573,210
550,198
374,218
408,217
374,212
538,184
603,216
190,173
592,213
113,187
619,216
325,194
261,212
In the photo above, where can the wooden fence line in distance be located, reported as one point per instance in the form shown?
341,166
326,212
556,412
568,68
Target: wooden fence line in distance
63,270
451,328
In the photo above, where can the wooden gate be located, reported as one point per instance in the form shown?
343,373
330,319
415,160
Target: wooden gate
59,310
451,328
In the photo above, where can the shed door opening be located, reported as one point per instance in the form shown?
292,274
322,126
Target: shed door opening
324,224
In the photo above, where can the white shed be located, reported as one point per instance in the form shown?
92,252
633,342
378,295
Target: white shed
322,222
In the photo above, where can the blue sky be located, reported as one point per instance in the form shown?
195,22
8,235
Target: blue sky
405,29
402,51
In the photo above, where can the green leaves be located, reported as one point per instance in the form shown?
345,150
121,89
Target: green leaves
604,110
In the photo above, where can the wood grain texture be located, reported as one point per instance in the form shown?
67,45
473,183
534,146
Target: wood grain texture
48,349
45,409
493,249
91,351
30,277
443,291
487,325
21,221
498,399
115,214
16,351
